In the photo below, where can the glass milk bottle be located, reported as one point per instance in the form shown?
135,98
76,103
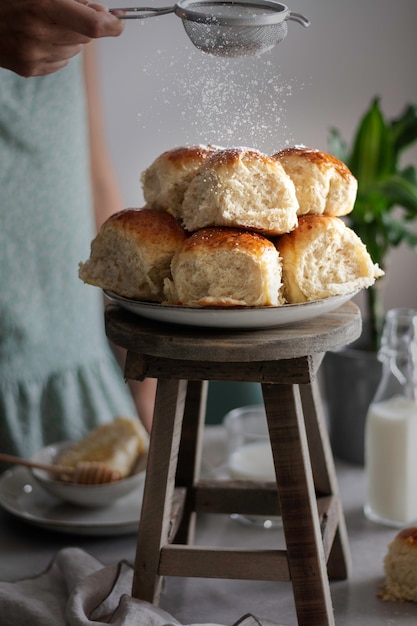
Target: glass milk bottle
391,426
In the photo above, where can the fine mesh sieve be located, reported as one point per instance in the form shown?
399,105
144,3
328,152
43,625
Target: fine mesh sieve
226,27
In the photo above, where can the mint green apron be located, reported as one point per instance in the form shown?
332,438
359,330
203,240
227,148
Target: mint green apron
58,376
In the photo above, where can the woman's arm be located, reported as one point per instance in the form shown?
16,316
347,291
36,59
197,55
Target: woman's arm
107,196
108,200
38,37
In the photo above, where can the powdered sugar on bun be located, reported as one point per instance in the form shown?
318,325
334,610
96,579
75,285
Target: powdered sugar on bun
164,182
235,227
132,253
225,267
241,188
323,258
324,185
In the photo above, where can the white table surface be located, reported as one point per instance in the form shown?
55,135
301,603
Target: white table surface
26,550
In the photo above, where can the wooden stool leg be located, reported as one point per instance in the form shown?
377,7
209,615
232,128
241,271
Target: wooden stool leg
154,527
324,474
189,457
299,512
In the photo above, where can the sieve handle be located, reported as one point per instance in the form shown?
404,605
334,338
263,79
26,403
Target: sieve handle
140,13
297,17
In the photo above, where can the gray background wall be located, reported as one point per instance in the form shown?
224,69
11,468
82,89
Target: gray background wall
159,91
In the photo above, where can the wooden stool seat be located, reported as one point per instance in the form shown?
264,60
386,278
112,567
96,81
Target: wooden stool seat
285,360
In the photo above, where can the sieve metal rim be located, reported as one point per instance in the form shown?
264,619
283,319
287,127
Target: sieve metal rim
276,14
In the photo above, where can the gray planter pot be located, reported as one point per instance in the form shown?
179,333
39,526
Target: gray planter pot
350,379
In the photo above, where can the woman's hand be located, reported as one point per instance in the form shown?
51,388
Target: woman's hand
38,37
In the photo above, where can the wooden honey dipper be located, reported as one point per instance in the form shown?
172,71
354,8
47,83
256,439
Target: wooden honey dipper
84,473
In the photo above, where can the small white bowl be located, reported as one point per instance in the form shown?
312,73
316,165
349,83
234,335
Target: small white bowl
85,495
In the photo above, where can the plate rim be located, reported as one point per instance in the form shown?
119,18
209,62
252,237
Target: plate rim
226,309
236,317
70,526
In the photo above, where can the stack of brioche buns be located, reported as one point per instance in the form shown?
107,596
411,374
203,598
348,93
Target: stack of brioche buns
235,227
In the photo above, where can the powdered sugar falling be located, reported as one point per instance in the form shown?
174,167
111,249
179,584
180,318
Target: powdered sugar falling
223,101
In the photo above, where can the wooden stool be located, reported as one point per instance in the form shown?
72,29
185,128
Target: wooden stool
285,361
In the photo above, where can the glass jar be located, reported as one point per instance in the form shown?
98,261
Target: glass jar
391,426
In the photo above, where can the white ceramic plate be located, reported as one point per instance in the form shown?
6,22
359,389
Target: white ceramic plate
22,496
236,317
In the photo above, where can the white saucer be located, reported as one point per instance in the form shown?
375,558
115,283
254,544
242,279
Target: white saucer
21,495
231,317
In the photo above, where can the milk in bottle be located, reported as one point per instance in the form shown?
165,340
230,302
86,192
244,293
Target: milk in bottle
391,426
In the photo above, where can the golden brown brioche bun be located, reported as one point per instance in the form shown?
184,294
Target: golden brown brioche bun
323,184
225,267
132,253
241,188
164,182
323,258
400,565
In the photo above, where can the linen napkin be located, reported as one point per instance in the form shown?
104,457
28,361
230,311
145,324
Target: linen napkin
77,590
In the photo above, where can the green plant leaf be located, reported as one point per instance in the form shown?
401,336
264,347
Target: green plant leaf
404,128
372,154
410,173
399,231
398,191
385,211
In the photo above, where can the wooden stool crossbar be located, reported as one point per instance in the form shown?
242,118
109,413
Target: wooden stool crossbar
285,362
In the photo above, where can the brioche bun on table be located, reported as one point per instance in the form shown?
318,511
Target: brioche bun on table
400,565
